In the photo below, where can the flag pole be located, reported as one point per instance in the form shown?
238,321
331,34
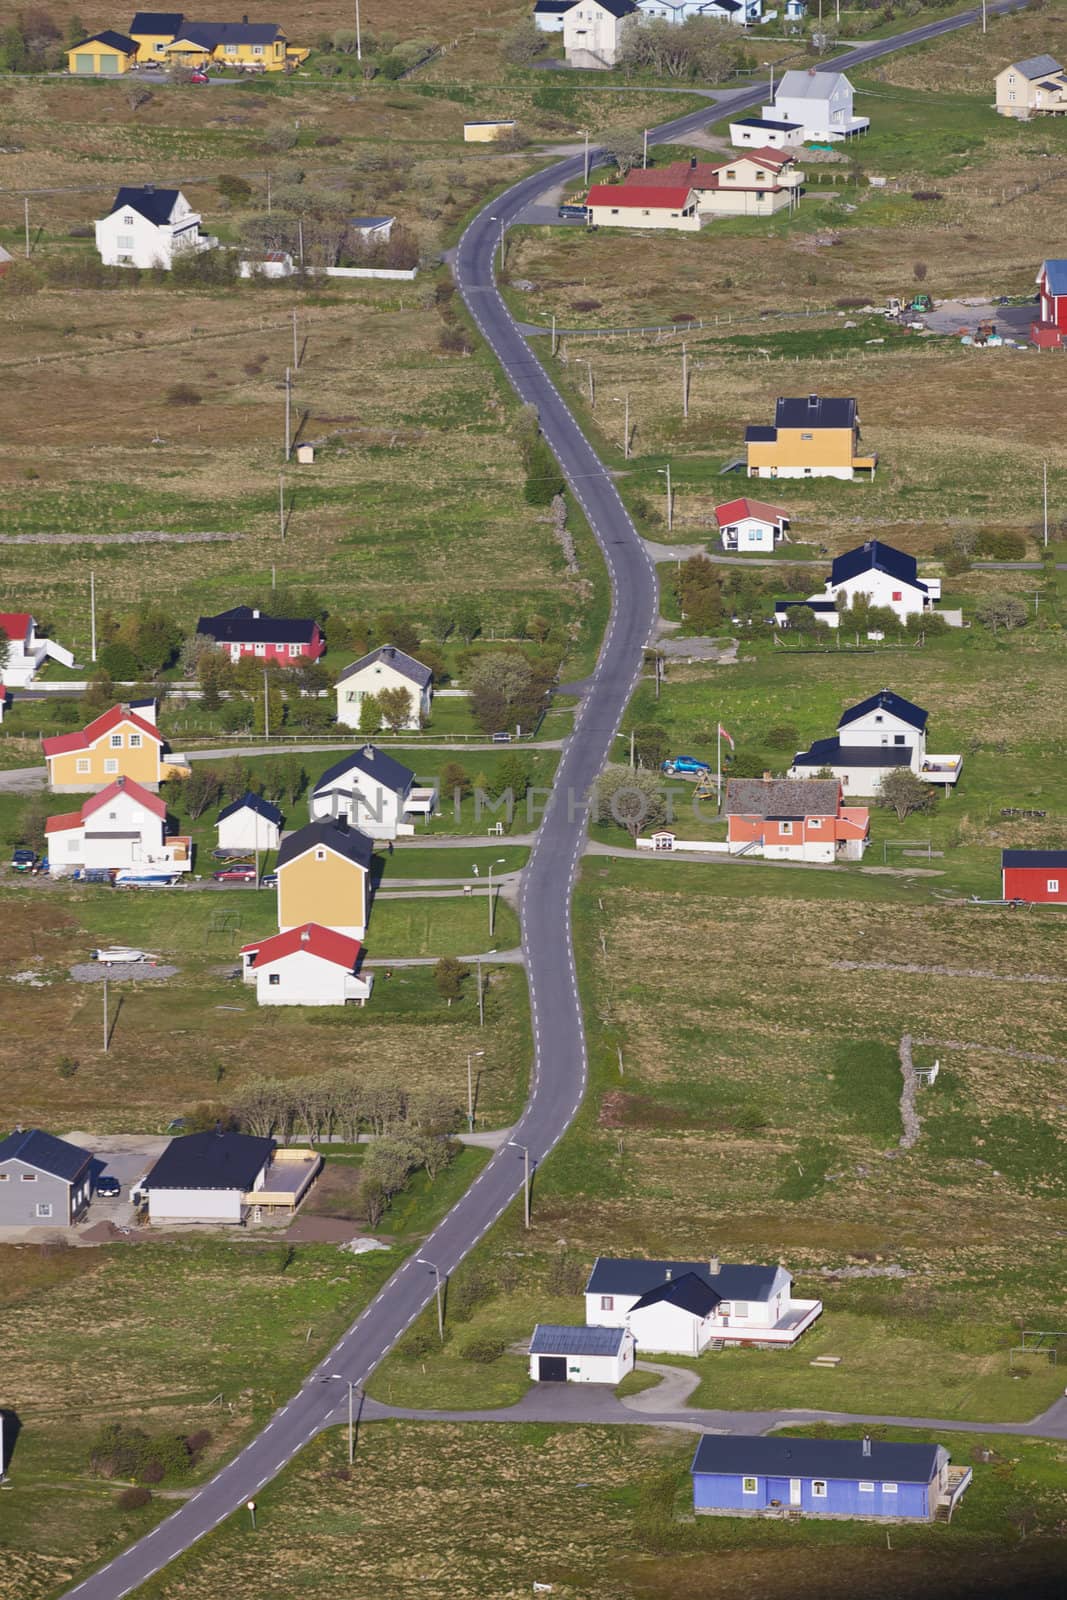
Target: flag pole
718,763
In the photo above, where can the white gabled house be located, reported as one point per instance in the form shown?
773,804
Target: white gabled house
148,227
884,575
384,668
820,101
751,525
121,829
306,966
680,1307
26,653
874,738
564,1354
765,133
250,823
594,30
373,792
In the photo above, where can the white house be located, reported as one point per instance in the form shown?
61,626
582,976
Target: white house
250,823
680,1306
884,575
561,1354
207,1177
653,203
384,668
5,701
593,31
148,227
738,12
374,793
821,101
548,14
882,733
123,828
26,653
308,966
765,133
751,526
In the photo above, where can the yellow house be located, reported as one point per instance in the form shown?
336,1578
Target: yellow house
489,132
153,31
813,437
323,877
121,743
243,46
105,55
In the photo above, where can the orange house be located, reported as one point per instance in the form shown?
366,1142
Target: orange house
121,743
794,819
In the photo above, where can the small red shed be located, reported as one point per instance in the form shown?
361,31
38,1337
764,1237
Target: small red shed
1049,329
1038,877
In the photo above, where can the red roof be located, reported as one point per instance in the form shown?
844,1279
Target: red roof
61,744
325,943
16,624
136,791
734,510
662,196
63,820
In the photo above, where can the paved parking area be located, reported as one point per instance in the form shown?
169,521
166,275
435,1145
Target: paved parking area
954,315
126,1157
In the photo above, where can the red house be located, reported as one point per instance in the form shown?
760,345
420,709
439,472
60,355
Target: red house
1038,877
1049,330
244,632
794,819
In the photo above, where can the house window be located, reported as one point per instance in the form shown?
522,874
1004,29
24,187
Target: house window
135,741
261,649
116,741
4,1176
732,174
29,1177
740,1308
814,822
749,1485
231,49
124,241
898,738
818,1488
807,437
889,1488
257,49
83,764
1011,96
294,649
607,1302
878,717
127,222
753,535
866,1488
274,979
1053,886
111,766
44,1208
785,827
897,595
320,855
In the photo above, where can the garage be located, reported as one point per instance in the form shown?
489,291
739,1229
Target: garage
563,1354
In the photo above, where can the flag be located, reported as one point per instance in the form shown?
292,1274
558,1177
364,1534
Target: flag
724,735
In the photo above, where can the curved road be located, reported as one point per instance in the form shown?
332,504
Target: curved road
559,1067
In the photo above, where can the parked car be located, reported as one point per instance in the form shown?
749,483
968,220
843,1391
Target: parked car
199,77
269,880
685,764
108,1188
573,213
236,875
23,860
501,738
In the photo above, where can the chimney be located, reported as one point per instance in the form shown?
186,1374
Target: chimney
120,781
670,1274
305,936
813,401
255,613
866,1444
244,19
714,1266
218,1128
766,777
368,751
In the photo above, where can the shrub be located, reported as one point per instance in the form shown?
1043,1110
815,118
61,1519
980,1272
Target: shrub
423,1342
998,545
782,737
183,394
66,1067
133,1499
483,1350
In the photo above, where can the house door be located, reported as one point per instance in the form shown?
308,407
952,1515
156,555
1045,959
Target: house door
552,1369
85,63
794,1491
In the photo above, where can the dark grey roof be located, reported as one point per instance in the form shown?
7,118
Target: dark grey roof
210,1161
241,625
813,605
766,122
635,1275
553,8
46,1152
781,797
252,802
335,834
814,411
398,659
886,700
688,1293
157,22
774,1456
376,764
210,34
1033,858
558,1339
117,41
1048,84
619,8
155,205
758,433
725,5
874,556
1037,66
832,753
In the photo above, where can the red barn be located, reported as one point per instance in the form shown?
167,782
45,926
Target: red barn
244,632
1038,877
1049,328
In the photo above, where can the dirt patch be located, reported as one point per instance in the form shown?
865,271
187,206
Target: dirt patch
319,1230
335,1197
97,971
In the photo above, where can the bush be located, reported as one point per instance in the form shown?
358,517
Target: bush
183,394
133,1499
997,545
66,1067
483,1350
783,737
423,1342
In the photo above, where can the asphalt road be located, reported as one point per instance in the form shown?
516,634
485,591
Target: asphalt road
559,1068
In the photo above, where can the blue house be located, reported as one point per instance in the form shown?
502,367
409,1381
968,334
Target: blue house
867,1478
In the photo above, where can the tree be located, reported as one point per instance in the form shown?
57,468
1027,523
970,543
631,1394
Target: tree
370,713
632,800
699,590
199,791
455,779
395,629
499,685
781,737
1001,611
919,271
395,707
468,618
651,745
100,692
448,977
523,44
621,145
747,764
238,191
236,714
119,661
903,792
271,713
512,773
32,819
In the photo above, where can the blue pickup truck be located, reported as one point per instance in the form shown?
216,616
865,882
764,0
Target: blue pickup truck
687,765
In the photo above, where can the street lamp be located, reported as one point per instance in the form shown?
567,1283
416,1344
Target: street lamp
624,400
422,1261
525,1179
585,361
670,496
771,65
585,168
470,1087
502,223
340,1378
501,861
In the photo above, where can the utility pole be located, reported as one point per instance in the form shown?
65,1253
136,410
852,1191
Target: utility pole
437,1290
525,1180
1044,498
644,159
273,577
670,497
624,400
107,1030
499,862
281,505
554,342
252,1513
470,1088
300,237
26,210
481,996
266,708
984,22
585,169
359,36
296,351
631,749
268,194
351,1425
288,412
92,613
685,383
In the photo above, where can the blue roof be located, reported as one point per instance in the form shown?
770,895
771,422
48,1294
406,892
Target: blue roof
252,802
152,22
333,834
814,411
635,1275
117,41
886,700
46,1152
376,764
688,1293
390,656
813,605
1033,858
766,122
758,433
776,1456
831,753
153,204
210,1161
559,1339
1056,275
876,557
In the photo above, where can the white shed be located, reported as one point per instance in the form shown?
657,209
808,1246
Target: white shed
207,1177
563,1354
250,823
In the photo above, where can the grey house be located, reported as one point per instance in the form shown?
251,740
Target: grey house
43,1180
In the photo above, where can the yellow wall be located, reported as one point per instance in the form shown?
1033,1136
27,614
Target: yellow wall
486,132
331,891
273,59
122,62
140,764
146,46
825,447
